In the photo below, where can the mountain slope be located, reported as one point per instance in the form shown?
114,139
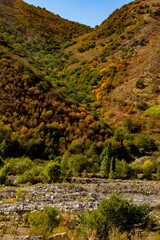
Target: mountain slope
37,118
36,31
59,91
118,70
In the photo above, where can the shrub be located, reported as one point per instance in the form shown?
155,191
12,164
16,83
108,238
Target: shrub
20,165
147,168
86,47
53,170
140,84
142,106
45,221
3,174
121,169
128,124
31,176
153,111
114,213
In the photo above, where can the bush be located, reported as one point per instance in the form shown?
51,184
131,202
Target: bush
53,171
20,165
147,169
114,213
86,47
31,176
3,174
121,169
142,106
128,124
45,221
140,84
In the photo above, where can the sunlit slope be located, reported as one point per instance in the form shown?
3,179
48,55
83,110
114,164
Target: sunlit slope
115,68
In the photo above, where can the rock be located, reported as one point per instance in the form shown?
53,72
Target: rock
59,236
32,238
26,237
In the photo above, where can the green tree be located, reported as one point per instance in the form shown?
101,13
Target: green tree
121,169
31,176
158,173
106,161
65,171
78,164
112,169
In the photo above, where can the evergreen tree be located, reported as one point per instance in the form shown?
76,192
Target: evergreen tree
112,168
65,166
106,161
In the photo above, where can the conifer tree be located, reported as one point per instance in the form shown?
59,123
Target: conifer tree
112,168
106,161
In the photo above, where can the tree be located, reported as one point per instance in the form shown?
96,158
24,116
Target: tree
106,160
121,169
65,171
158,173
112,169
78,164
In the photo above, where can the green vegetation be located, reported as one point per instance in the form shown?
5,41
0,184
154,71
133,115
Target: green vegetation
115,218
56,89
140,84
86,47
153,111
3,174
53,171
44,221
80,102
114,213
142,106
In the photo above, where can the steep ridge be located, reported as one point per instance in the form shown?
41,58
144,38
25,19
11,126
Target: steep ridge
34,21
117,73
36,31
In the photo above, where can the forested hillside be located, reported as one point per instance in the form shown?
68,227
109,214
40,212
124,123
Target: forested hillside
76,95
117,70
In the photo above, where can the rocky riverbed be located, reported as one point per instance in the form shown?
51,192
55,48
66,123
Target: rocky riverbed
80,195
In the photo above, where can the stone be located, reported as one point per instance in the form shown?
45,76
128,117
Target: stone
58,236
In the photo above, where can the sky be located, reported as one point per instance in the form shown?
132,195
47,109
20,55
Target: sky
88,12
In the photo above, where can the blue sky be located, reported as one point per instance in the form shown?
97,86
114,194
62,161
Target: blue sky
89,12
